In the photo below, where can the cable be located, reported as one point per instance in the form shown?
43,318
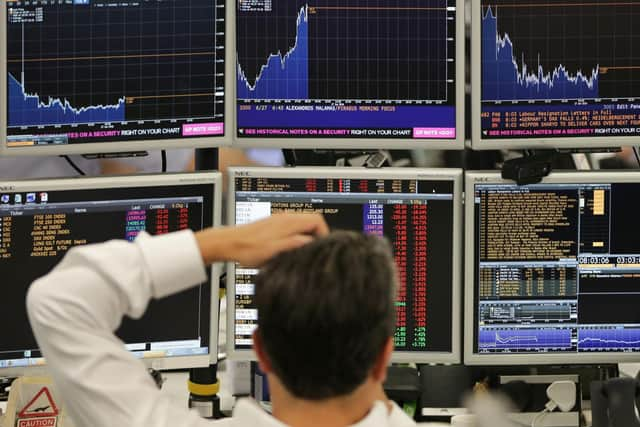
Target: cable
540,415
635,152
163,153
73,165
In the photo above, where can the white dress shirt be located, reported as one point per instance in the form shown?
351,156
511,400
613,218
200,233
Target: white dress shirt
75,309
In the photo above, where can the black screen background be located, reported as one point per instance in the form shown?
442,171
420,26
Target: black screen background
439,245
439,264
173,318
597,300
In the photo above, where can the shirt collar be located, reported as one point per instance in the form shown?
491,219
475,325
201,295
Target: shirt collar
248,412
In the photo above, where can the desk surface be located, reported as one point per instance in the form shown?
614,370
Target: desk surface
175,387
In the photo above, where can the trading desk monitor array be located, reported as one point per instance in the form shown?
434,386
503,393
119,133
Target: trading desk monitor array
350,73
555,74
103,75
41,220
417,210
552,269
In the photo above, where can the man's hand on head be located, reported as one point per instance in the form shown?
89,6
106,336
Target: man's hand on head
253,244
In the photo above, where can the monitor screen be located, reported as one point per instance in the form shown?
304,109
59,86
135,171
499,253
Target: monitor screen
41,220
340,73
416,210
554,73
99,75
555,269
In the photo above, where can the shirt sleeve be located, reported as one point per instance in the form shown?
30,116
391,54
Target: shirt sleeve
75,309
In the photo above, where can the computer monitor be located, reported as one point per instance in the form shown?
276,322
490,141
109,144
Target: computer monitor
418,210
554,74
355,74
552,269
41,219
97,76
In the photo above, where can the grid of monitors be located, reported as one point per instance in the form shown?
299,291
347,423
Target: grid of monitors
552,269
349,74
418,210
87,76
41,219
546,74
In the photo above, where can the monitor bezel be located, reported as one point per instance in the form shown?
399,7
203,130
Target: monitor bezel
116,146
454,175
456,143
471,358
146,180
480,143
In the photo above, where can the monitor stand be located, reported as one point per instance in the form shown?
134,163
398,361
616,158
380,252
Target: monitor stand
403,387
203,383
203,388
534,165
529,169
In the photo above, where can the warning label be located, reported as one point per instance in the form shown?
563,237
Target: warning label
38,422
41,406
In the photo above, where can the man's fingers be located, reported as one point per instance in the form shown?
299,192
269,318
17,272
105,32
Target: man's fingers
322,228
313,224
291,243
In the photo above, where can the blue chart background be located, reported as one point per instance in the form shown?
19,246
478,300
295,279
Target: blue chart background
32,110
403,116
607,339
506,78
524,339
284,75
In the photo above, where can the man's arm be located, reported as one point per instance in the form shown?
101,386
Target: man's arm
75,309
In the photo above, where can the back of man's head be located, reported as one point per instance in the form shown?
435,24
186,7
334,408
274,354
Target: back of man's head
326,312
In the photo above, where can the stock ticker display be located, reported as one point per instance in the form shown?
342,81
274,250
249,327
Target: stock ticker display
560,69
104,70
37,229
365,69
557,267
415,215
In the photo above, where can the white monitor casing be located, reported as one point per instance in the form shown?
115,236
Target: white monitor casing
116,146
456,143
480,143
472,358
152,180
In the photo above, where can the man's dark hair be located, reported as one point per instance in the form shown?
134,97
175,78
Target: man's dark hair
325,312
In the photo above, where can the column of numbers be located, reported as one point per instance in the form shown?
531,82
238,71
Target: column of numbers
419,229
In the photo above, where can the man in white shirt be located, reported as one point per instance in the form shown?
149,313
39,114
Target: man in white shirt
323,338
